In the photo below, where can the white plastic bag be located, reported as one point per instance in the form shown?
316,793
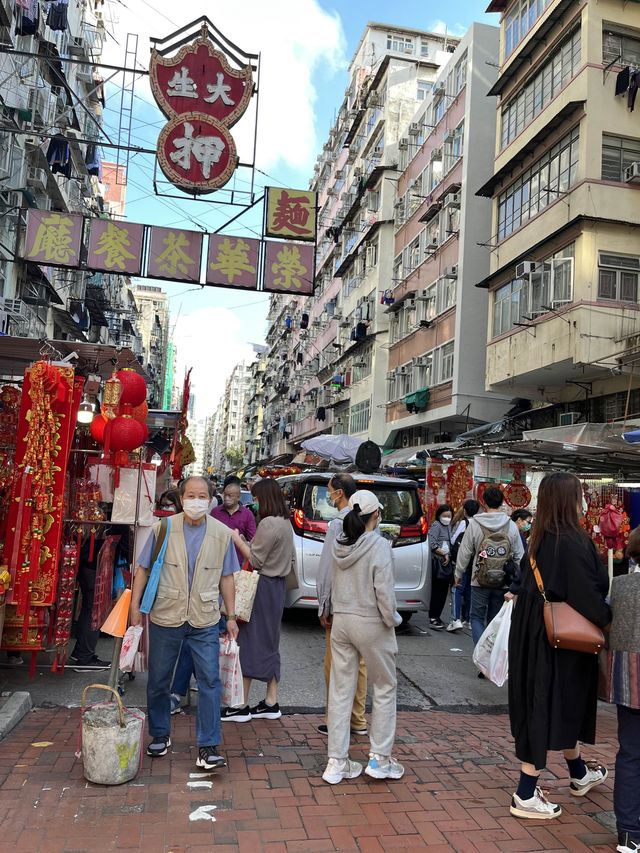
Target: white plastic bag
491,655
231,674
130,643
135,489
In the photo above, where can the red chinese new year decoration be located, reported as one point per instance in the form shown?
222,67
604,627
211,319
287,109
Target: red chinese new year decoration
126,433
97,428
435,479
111,396
140,413
516,493
459,483
134,388
64,605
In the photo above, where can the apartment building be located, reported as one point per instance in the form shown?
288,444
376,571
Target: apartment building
153,321
565,246
328,356
255,410
232,420
437,317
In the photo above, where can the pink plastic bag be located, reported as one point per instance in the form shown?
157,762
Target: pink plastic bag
130,643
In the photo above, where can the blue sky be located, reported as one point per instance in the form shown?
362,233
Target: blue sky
306,46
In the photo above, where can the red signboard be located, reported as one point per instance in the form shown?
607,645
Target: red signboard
288,268
174,254
115,246
233,261
196,153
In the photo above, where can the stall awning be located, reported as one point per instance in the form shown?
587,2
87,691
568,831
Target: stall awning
16,354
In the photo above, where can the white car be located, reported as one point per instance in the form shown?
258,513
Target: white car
402,523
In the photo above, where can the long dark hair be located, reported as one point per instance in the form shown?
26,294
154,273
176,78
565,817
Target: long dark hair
353,526
270,499
559,498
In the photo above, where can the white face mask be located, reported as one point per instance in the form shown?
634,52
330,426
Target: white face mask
195,508
445,521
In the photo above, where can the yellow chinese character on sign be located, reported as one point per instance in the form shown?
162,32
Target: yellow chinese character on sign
288,268
291,213
232,259
54,239
113,244
174,259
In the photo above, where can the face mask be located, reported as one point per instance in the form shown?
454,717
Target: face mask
195,508
445,521
527,527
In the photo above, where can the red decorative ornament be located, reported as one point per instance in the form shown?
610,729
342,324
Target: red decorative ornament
435,479
134,388
517,495
97,428
140,413
126,434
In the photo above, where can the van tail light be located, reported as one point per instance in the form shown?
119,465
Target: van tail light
411,534
307,528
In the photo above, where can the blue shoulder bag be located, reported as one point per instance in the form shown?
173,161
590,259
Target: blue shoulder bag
160,549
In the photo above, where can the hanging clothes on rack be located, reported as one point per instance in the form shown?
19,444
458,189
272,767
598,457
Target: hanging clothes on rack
634,84
57,17
622,81
93,162
29,18
59,156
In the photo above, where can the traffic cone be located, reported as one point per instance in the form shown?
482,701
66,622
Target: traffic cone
117,621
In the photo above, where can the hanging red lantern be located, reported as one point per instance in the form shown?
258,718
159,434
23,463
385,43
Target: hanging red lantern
97,428
126,433
140,412
134,388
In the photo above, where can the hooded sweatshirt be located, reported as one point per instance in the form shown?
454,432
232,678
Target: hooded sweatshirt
362,583
475,533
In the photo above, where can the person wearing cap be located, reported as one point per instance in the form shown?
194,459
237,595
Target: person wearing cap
364,617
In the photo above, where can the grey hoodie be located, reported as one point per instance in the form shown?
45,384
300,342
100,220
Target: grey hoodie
362,583
474,534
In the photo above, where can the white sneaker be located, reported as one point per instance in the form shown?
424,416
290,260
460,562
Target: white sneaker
537,808
383,767
626,844
455,625
466,625
338,769
595,775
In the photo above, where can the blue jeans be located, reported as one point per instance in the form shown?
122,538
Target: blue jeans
184,668
626,788
164,649
461,598
485,606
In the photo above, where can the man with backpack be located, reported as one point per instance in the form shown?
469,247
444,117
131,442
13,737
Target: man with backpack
493,542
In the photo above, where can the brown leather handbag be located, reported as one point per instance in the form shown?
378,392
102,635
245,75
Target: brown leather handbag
566,628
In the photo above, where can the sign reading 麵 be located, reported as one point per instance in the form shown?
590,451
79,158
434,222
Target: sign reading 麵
290,214
203,96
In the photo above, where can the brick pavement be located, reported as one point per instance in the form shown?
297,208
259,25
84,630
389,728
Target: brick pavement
454,796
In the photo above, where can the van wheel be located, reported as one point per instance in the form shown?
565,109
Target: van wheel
406,616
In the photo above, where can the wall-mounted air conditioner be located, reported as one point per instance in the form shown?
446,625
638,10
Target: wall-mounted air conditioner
403,143
414,128
525,268
569,418
451,272
632,173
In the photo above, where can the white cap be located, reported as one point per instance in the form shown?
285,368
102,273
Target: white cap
365,501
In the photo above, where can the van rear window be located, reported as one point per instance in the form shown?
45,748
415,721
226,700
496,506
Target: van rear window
400,505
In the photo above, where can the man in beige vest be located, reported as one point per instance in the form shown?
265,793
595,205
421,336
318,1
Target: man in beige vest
198,566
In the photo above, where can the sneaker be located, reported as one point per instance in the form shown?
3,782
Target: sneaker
537,808
626,844
338,769
383,767
467,625
595,775
209,758
436,624
262,711
176,702
236,715
323,729
455,625
159,746
362,731
94,664
14,659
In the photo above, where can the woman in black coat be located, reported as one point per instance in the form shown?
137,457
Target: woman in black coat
553,693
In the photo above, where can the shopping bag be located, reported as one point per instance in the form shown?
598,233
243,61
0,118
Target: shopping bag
231,673
246,582
130,643
135,489
491,653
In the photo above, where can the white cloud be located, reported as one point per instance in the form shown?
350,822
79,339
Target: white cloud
211,341
295,38
442,28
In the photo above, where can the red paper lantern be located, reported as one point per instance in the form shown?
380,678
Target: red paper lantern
134,388
140,412
97,428
126,434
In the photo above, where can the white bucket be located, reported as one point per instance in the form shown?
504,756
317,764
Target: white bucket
111,740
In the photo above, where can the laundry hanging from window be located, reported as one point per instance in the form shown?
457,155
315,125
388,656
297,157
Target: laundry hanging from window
28,17
59,156
57,17
627,83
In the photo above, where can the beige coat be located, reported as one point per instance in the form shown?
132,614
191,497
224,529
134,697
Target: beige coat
175,604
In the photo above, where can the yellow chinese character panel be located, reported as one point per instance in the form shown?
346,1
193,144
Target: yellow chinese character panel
290,213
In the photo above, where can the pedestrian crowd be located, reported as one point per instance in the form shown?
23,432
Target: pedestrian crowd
480,556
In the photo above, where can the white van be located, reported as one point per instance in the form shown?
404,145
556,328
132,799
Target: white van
402,523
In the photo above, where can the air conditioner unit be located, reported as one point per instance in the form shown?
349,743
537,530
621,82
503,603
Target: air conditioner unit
414,128
451,272
424,296
357,172
37,178
449,136
431,247
403,143
410,304
439,89
419,361
436,154
404,371
339,175
408,50
337,314
331,192
569,418
632,173
13,307
453,200
525,268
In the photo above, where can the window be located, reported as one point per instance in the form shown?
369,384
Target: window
400,44
539,186
519,20
620,49
447,288
438,109
423,89
618,277
549,286
453,145
423,372
446,361
541,89
425,48
427,304
362,365
359,416
436,170
617,154
460,74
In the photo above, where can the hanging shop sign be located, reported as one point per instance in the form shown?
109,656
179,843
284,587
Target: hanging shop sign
169,254
290,213
203,96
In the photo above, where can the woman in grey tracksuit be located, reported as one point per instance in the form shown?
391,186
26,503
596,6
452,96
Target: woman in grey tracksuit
364,618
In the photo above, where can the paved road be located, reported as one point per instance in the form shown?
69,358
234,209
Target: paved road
434,670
